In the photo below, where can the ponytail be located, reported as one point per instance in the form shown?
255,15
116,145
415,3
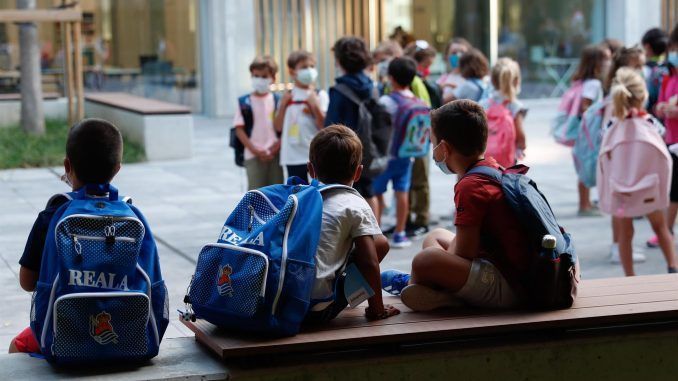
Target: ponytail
628,91
505,74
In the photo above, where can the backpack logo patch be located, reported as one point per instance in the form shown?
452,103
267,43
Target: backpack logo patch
224,281
101,329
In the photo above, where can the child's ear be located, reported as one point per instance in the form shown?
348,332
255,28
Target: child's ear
358,173
117,169
310,169
67,165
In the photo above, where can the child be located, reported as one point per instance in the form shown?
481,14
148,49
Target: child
506,83
424,55
352,58
301,114
486,272
453,79
253,123
593,67
624,190
654,42
93,156
349,230
667,110
401,72
473,67
382,56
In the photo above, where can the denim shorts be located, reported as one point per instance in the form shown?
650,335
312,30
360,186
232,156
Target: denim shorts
399,171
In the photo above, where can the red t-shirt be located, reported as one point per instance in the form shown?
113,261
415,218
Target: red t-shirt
480,202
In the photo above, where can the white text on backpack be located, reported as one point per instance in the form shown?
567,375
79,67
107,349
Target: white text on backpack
94,279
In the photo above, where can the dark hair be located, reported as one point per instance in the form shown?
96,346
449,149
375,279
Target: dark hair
458,41
473,64
589,63
335,153
94,148
352,54
673,39
463,125
613,45
657,39
264,63
402,70
298,56
622,58
418,52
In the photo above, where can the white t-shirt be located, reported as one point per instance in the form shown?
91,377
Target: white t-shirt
592,89
299,127
453,79
346,216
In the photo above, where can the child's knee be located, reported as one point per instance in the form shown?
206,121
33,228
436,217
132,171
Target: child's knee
12,347
425,261
381,243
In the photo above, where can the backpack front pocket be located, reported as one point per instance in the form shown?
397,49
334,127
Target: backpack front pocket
230,279
94,325
637,199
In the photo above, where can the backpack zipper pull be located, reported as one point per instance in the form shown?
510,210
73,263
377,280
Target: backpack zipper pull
78,249
251,209
109,231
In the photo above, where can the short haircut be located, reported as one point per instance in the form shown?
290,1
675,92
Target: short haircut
463,125
473,64
297,57
589,63
264,63
402,70
657,39
94,148
352,54
335,153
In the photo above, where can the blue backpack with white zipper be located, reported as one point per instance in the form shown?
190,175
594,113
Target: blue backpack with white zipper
259,276
100,293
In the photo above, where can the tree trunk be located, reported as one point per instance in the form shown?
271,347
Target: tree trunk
32,117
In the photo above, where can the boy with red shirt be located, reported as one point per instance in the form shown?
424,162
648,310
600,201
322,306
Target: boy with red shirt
486,262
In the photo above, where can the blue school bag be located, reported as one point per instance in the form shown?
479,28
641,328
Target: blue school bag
587,145
259,276
553,279
100,294
412,134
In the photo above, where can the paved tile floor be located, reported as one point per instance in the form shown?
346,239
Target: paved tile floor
187,201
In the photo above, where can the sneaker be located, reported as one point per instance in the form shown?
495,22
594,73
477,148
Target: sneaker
653,242
593,212
422,298
400,241
672,270
416,231
393,281
614,255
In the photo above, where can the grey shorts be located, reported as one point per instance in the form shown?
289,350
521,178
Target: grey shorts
487,288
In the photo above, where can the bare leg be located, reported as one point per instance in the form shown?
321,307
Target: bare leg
436,268
615,230
672,213
12,347
381,205
626,244
374,205
661,229
382,245
584,197
402,210
439,238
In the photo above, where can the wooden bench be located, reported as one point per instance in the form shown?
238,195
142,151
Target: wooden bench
621,328
54,106
165,130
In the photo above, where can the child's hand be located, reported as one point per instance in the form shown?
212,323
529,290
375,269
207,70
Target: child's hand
312,99
385,313
286,99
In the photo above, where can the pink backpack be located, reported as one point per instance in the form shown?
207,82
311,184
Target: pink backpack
565,126
501,134
634,169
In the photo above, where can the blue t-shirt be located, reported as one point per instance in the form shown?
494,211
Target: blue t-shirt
32,256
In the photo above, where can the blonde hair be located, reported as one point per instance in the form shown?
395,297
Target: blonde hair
628,91
506,78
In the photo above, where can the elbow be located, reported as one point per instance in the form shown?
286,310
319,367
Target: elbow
27,279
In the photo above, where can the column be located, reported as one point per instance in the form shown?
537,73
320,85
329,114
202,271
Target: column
628,20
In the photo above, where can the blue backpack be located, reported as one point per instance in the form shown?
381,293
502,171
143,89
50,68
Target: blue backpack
412,134
259,276
553,280
587,146
100,294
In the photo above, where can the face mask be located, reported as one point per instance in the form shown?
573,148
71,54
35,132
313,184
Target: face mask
424,71
307,76
454,60
442,164
673,58
261,85
382,69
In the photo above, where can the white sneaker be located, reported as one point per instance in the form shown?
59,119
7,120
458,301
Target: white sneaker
422,298
614,255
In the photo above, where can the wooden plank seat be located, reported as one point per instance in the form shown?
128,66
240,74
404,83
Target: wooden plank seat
601,304
17,96
164,129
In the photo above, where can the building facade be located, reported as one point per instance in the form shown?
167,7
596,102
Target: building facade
197,52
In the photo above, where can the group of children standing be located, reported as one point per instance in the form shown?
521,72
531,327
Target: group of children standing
618,100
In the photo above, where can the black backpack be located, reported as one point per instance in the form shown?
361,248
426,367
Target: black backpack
245,105
434,93
374,128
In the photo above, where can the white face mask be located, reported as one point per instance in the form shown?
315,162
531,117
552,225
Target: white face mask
442,164
307,76
261,85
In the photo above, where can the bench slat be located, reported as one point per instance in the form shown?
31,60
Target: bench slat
135,104
631,302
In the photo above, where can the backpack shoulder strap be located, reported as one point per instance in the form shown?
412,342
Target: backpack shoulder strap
489,172
348,93
127,200
58,200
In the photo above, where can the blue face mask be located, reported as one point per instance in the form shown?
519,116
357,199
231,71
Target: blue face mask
673,58
453,59
442,164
